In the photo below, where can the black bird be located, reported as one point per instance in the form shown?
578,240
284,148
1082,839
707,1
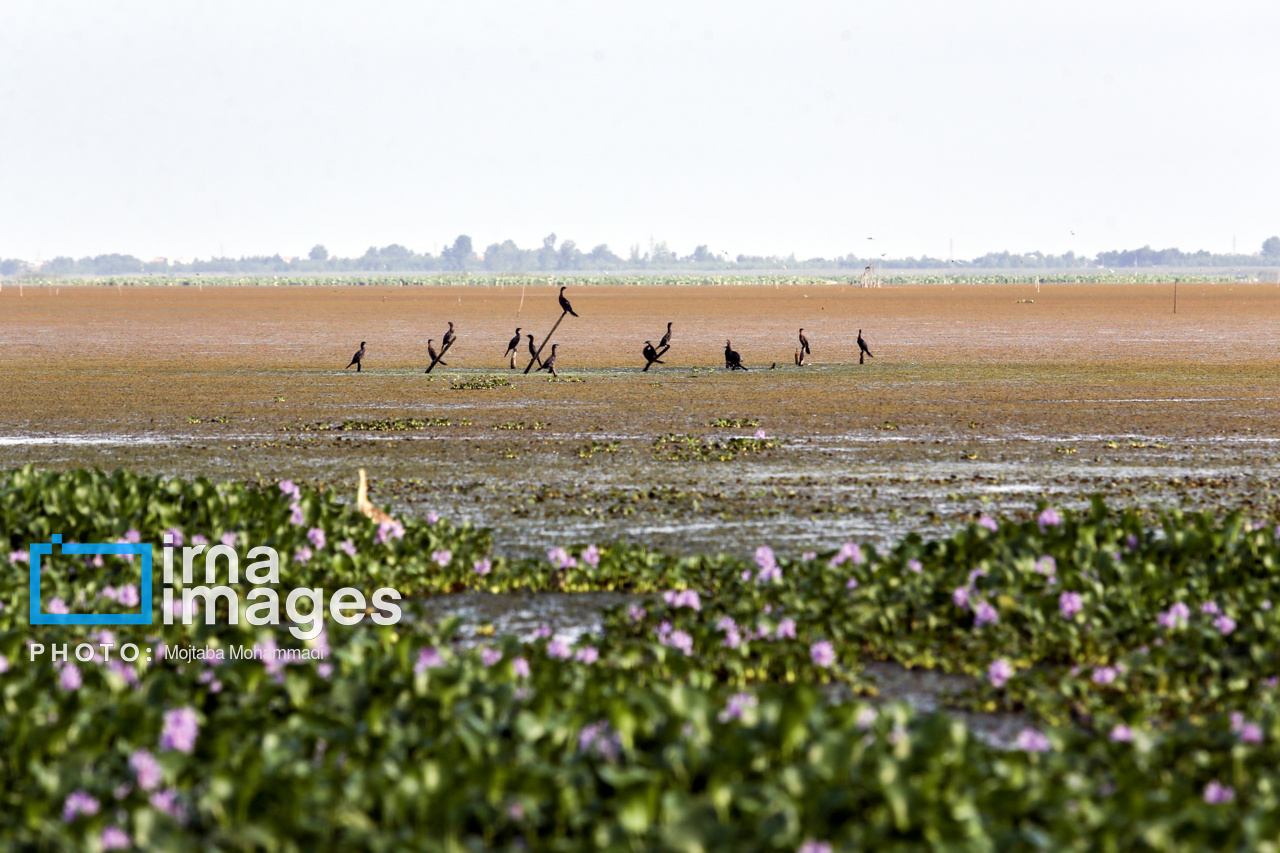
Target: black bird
804,343
355,359
448,338
550,363
666,339
862,345
564,303
515,342
651,356
533,351
435,359
732,360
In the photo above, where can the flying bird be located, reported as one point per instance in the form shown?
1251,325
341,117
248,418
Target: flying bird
533,351
448,338
650,356
862,346
564,304
513,344
356,359
732,360
804,343
550,364
666,339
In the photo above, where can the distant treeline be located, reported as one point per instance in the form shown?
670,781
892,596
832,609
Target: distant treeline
555,256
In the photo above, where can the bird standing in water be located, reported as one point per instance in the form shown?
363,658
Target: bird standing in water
564,304
666,339
533,351
357,358
862,347
435,359
550,364
732,360
448,338
650,356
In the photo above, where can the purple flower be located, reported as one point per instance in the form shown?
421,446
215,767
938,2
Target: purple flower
1175,617
520,667
591,556
1047,566
1049,518
738,704
490,656
433,517
999,672
388,530
760,434
960,595
175,536
560,559
69,678
78,803
428,658
348,547
1210,608
1122,733
288,489
16,557
852,583
146,769
600,738
988,522
199,540
58,606
483,567
915,566
317,537
822,653
442,557
302,556
114,838
813,845
984,614
1225,624
296,517
229,539
684,598
1131,542
786,630
636,612
128,596
1104,675
808,555
1031,740
167,801
678,640
4,664
1251,733
1070,604
1215,793
866,717
732,637
848,551
588,655
559,649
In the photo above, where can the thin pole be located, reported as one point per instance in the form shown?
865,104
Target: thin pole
537,356
1175,297
523,285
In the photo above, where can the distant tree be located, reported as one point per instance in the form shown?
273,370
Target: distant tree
459,254
569,258
547,255
60,266
11,266
318,253
701,255
1271,247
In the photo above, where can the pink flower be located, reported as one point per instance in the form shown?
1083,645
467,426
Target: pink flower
822,653
915,566
58,606
520,667
180,730
78,803
988,522
433,517
228,539
1049,518
1210,608
560,559
16,557
175,537
636,612
167,801
984,614
1215,793
1047,566
960,596
760,434
69,678
146,769
442,557
348,547
588,655
199,540
849,551
591,556
388,530
296,517
302,556
999,672
1031,740
1225,624
490,656
684,598
1175,617
736,706
1070,604
115,838
851,583
483,567
866,717
428,658
317,538
786,630
290,490
678,640
808,555
599,738
1104,675
813,845
559,649
1122,733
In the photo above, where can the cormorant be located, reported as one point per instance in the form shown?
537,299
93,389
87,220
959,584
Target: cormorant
564,303
355,359
804,343
533,351
435,359
732,360
666,339
862,346
651,356
448,338
515,342
550,363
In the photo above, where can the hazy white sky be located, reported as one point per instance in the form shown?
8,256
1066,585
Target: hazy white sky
192,128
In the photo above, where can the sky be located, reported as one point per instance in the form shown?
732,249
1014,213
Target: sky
189,129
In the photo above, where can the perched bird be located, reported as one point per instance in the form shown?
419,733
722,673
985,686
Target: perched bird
650,356
804,344
366,507
513,344
732,360
550,364
356,359
862,346
435,358
564,304
533,351
666,339
448,338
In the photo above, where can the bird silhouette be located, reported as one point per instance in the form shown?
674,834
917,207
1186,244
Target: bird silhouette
533,351
435,358
862,347
356,359
666,339
448,338
564,304
804,343
513,344
650,356
732,360
550,364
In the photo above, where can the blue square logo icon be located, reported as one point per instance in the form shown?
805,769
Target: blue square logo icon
42,549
